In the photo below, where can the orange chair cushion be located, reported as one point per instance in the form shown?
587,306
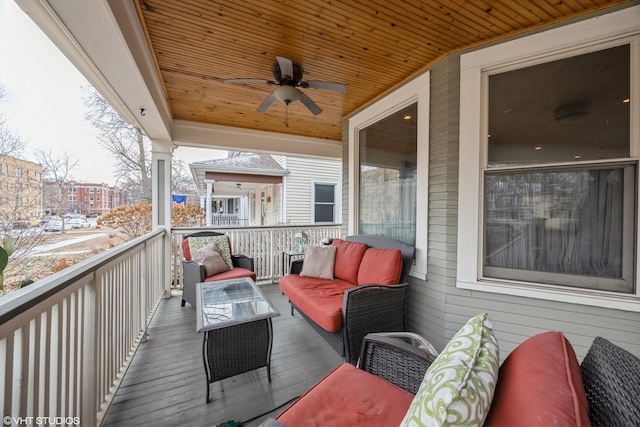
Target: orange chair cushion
539,385
320,299
349,396
236,273
348,258
381,266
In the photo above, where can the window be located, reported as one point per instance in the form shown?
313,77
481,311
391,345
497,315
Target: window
388,153
6,168
252,206
18,172
548,189
72,189
91,198
97,190
324,203
91,190
275,192
388,173
98,198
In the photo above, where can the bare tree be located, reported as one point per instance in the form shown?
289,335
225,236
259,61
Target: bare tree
125,142
132,150
10,142
56,171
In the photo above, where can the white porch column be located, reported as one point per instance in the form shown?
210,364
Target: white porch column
207,208
161,201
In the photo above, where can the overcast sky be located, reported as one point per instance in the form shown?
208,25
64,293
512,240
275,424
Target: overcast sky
43,99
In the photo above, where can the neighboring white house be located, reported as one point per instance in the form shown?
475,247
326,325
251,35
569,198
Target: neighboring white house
261,189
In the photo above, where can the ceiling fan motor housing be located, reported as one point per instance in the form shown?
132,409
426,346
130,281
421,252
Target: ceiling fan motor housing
292,80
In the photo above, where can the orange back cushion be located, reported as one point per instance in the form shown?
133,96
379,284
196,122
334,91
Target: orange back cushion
348,258
381,266
540,384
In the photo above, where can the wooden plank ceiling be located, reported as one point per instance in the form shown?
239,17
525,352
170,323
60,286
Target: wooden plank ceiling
370,46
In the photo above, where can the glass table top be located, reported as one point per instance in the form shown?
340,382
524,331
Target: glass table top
230,302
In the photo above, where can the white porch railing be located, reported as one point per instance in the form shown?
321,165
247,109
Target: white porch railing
66,341
264,244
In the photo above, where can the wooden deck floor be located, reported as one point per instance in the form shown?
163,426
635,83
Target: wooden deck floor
165,384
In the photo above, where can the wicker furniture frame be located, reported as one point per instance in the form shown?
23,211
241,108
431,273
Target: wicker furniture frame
194,273
242,346
367,308
611,378
391,358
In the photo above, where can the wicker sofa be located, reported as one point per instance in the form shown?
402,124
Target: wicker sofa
367,293
539,384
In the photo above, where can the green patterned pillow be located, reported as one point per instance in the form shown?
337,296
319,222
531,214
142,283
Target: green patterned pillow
458,387
221,241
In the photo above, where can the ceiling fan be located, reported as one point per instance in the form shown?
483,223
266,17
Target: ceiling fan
288,77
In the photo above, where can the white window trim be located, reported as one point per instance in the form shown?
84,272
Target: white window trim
417,90
336,201
584,35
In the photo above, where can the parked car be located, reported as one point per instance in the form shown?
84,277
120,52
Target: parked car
55,224
44,220
79,222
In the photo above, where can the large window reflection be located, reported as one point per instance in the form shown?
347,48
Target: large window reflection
559,196
388,182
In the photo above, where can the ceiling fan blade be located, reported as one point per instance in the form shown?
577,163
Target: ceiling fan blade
267,103
312,106
286,67
338,87
249,81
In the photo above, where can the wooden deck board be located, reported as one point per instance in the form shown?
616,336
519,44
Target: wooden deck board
165,383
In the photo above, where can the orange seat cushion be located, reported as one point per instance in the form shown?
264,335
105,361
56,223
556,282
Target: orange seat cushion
380,266
348,258
236,273
320,299
349,396
539,385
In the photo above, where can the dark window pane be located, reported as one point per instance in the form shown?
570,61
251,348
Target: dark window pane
325,193
565,222
573,109
324,213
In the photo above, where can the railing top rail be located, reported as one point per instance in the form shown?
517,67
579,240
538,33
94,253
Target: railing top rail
17,302
274,227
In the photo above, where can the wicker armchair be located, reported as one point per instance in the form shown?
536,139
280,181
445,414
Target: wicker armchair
194,271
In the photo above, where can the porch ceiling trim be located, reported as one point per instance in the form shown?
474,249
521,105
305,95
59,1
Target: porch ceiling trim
201,135
243,177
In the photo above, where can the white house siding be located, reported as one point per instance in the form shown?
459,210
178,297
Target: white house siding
437,308
303,172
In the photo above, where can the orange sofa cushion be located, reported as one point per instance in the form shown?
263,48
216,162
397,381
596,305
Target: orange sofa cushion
348,258
380,266
320,299
349,396
539,385
236,273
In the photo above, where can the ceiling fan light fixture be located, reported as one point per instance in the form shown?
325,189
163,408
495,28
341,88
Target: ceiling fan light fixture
287,94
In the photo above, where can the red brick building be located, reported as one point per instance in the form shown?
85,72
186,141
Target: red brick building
83,198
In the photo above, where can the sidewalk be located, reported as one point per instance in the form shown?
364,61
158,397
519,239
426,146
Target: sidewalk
42,249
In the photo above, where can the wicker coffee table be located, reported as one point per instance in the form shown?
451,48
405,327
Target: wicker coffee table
235,317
